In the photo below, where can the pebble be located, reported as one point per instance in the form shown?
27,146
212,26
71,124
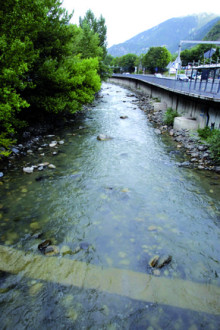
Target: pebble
51,250
44,245
28,169
1,174
103,137
53,144
51,166
65,250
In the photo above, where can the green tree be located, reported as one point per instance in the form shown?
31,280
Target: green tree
95,33
196,54
97,26
40,68
156,59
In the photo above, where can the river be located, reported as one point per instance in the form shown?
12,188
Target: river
109,208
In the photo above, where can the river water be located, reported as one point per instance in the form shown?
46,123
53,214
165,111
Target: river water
109,207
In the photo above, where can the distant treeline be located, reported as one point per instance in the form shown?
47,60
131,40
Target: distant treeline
157,59
47,65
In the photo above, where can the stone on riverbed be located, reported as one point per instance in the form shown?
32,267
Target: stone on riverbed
53,144
28,169
103,137
157,131
160,262
123,117
65,250
51,166
42,246
51,250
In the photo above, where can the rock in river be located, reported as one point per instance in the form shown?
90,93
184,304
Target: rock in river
159,262
44,245
28,169
103,137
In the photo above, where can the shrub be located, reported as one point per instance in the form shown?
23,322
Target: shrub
214,141
169,116
204,133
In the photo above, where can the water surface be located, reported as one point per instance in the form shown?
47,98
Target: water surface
114,204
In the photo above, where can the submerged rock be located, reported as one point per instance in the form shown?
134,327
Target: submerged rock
53,144
103,137
164,260
51,166
153,262
84,245
51,250
42,246
28,169
123,117
160,261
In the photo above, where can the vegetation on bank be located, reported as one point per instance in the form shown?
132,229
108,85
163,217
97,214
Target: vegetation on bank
212,137
169,116
49,67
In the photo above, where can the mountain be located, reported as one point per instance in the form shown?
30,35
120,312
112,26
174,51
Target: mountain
192,27
214,33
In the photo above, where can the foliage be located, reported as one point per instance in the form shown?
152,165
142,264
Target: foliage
214,33
214,141
125,63
205,133
196,54
169,116
156,59
212,136
46,63
93,40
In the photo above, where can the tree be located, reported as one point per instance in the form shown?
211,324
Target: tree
95,33
97,26
196,54
156,59
40,68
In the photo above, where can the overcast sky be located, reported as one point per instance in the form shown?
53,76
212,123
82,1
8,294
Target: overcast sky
125,19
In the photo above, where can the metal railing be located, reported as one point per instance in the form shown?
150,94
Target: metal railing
199,88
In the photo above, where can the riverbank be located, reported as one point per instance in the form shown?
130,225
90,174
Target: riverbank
36,137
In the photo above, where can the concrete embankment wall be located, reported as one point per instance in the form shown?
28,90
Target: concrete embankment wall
204,110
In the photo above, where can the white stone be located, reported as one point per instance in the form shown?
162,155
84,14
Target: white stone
51,166
28,169
53,144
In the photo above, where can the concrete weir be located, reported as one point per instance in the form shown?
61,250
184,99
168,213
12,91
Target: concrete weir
139,286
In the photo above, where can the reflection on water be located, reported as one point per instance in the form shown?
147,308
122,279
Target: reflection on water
112,204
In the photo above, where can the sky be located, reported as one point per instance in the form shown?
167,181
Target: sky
125,19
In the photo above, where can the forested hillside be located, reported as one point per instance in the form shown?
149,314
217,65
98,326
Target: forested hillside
49,67
214,33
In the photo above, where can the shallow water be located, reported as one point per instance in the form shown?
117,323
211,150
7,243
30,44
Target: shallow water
113,204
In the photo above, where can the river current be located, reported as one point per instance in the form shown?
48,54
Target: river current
109,207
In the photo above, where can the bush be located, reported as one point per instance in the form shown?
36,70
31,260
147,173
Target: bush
204,133
169,116
214,141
